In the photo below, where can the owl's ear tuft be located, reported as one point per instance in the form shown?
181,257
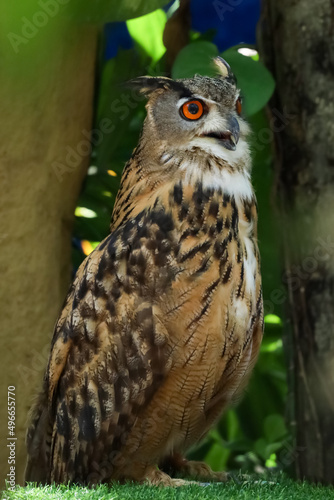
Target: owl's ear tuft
148,84
224,69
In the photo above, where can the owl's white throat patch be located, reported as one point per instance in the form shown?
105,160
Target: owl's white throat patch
232,180
235,184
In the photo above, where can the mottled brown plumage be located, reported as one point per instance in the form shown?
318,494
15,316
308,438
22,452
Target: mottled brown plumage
163,323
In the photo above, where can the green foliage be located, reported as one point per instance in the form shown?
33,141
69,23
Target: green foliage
35,33
103,11
118,119
195,58
254,80
147,31
253,435
95,11
276,487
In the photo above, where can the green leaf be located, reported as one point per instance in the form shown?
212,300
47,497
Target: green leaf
273,447
195,58
274,428
103,11
25,15
272,319
260,447
217,457
265,450
147,31
238,445
117,106
253,78
271,461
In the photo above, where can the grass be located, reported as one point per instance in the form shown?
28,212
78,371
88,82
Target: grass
273,488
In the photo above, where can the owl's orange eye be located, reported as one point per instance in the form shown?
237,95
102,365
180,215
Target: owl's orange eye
238,106
192,110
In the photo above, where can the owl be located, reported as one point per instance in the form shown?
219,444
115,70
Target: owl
163,323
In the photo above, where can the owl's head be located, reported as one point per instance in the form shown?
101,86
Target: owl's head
199,114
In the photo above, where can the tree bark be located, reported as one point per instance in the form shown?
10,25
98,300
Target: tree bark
176,32
296,40
46,106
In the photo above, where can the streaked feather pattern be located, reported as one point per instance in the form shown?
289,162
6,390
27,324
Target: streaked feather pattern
162,325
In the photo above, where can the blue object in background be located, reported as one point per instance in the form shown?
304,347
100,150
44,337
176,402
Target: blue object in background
234,21
116,36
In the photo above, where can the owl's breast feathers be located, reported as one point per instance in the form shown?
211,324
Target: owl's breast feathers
164,316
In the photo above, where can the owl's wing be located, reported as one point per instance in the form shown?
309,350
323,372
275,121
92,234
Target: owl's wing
109,352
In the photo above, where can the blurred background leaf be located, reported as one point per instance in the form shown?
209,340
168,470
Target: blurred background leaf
103,11
195,58
253,78
147,31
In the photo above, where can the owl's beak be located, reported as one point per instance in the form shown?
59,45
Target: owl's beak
232,134
230,137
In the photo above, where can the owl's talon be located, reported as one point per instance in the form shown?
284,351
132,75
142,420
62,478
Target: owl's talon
156,477
194,469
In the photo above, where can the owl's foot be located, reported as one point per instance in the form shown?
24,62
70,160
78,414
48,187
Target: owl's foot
193,469
156,477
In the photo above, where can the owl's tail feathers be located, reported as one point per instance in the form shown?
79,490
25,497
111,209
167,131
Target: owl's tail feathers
38,442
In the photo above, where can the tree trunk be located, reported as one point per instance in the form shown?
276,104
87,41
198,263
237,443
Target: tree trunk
296,40
46,101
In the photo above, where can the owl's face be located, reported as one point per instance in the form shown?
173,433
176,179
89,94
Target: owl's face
201,113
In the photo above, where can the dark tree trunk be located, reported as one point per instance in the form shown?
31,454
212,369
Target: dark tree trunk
296,39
